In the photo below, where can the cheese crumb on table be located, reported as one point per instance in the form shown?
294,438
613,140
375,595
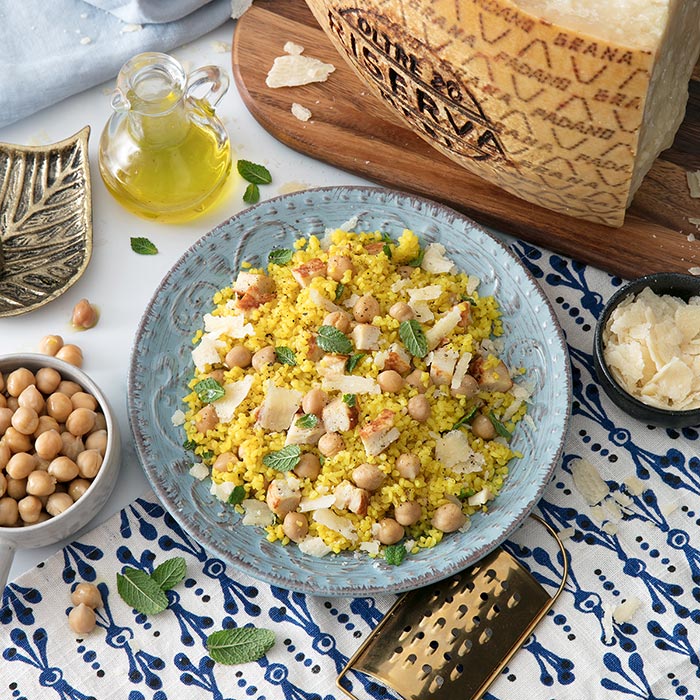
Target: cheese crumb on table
300,112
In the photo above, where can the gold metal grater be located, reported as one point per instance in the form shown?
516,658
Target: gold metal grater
451,640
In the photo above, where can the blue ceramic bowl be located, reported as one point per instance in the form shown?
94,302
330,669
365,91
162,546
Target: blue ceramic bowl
676,284
160,368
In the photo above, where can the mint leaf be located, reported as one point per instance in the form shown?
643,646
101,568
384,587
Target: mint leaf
189,445
413,338
394,554
285,356
239,645
307,421
253,172
350,399
143,246
339,291
280,256
283,460
387,250
208,390
465,493
386,237
168,574
236,496
465,418
353,360
251,194
330,339
499,427
138,590
416,262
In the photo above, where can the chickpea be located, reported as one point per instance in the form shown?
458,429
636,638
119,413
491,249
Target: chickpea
31,398
338,265
408,513
483,428
220,463
59,406
314,401
330,444
265,356
71,354
80,422
5,419
405,271
419,408
468,387
47,380
365,309
43,516
18,380
309,466
72,445
3,401
29,509
82,619
16,488
448,518
339,320
89,463
368,476
401,311
408,465
42,464
217,375
390,532
40,483
20,465
46,423
9,514
87,594
84,315
415,379
50,344
238,356
206,419
16,441
97,441
390,381
2,383
100,422
68,387
3,485
5,455
82,399
295,526
64,468
25,420
77,488
58,502
12,403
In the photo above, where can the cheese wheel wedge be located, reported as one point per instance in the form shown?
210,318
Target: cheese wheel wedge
564,103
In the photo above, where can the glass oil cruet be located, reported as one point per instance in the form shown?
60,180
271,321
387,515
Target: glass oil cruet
164,154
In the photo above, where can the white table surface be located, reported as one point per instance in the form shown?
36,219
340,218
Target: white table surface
117,280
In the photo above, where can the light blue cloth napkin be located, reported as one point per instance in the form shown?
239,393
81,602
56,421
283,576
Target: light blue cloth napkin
51,50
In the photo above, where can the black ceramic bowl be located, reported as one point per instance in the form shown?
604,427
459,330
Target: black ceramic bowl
673,283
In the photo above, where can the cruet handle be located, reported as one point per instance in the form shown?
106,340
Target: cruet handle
211,77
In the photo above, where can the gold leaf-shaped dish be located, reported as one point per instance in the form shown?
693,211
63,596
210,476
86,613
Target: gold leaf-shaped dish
45,221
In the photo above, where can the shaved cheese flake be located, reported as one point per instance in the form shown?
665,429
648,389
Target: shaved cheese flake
427,293
278,407
222,491
609,528
322,302
634,485
400,284
371,547
178,418
314,547
480,497
234,394
588,481
303,114
567,533
625,610
443,327
256,512
293,49
351,384
296,69
206,353
451,448
422,311
309,504
693,178
199,471
461,370
435,260
338,523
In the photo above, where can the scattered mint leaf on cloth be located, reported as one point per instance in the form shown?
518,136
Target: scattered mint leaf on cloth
236,496
413,338
330,339
208,390
168,574
280,256
254,173
143,246
307,421
283,460
394,554
239,645
141,592
285,356
251,194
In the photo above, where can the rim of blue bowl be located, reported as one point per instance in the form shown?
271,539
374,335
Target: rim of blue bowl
676,284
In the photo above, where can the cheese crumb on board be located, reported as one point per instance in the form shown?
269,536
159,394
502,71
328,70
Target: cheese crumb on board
300,112
296,69
693,178
293,49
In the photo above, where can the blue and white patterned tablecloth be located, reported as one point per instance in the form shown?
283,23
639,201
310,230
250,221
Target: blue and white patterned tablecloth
651,553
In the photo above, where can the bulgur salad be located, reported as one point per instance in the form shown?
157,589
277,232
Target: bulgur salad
350,396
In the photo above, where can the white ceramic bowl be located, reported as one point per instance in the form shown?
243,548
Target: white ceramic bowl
88,505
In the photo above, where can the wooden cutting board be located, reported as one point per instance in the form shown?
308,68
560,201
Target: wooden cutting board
353,130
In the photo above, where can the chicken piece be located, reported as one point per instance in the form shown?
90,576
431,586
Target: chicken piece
306,272
495,378
338,417
314,353
442,366
253,289
378,434
332,365
375,248
351,497
304,436
397,363
282,497
365,336
466,316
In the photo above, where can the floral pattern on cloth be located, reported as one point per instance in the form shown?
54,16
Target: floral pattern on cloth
646,548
